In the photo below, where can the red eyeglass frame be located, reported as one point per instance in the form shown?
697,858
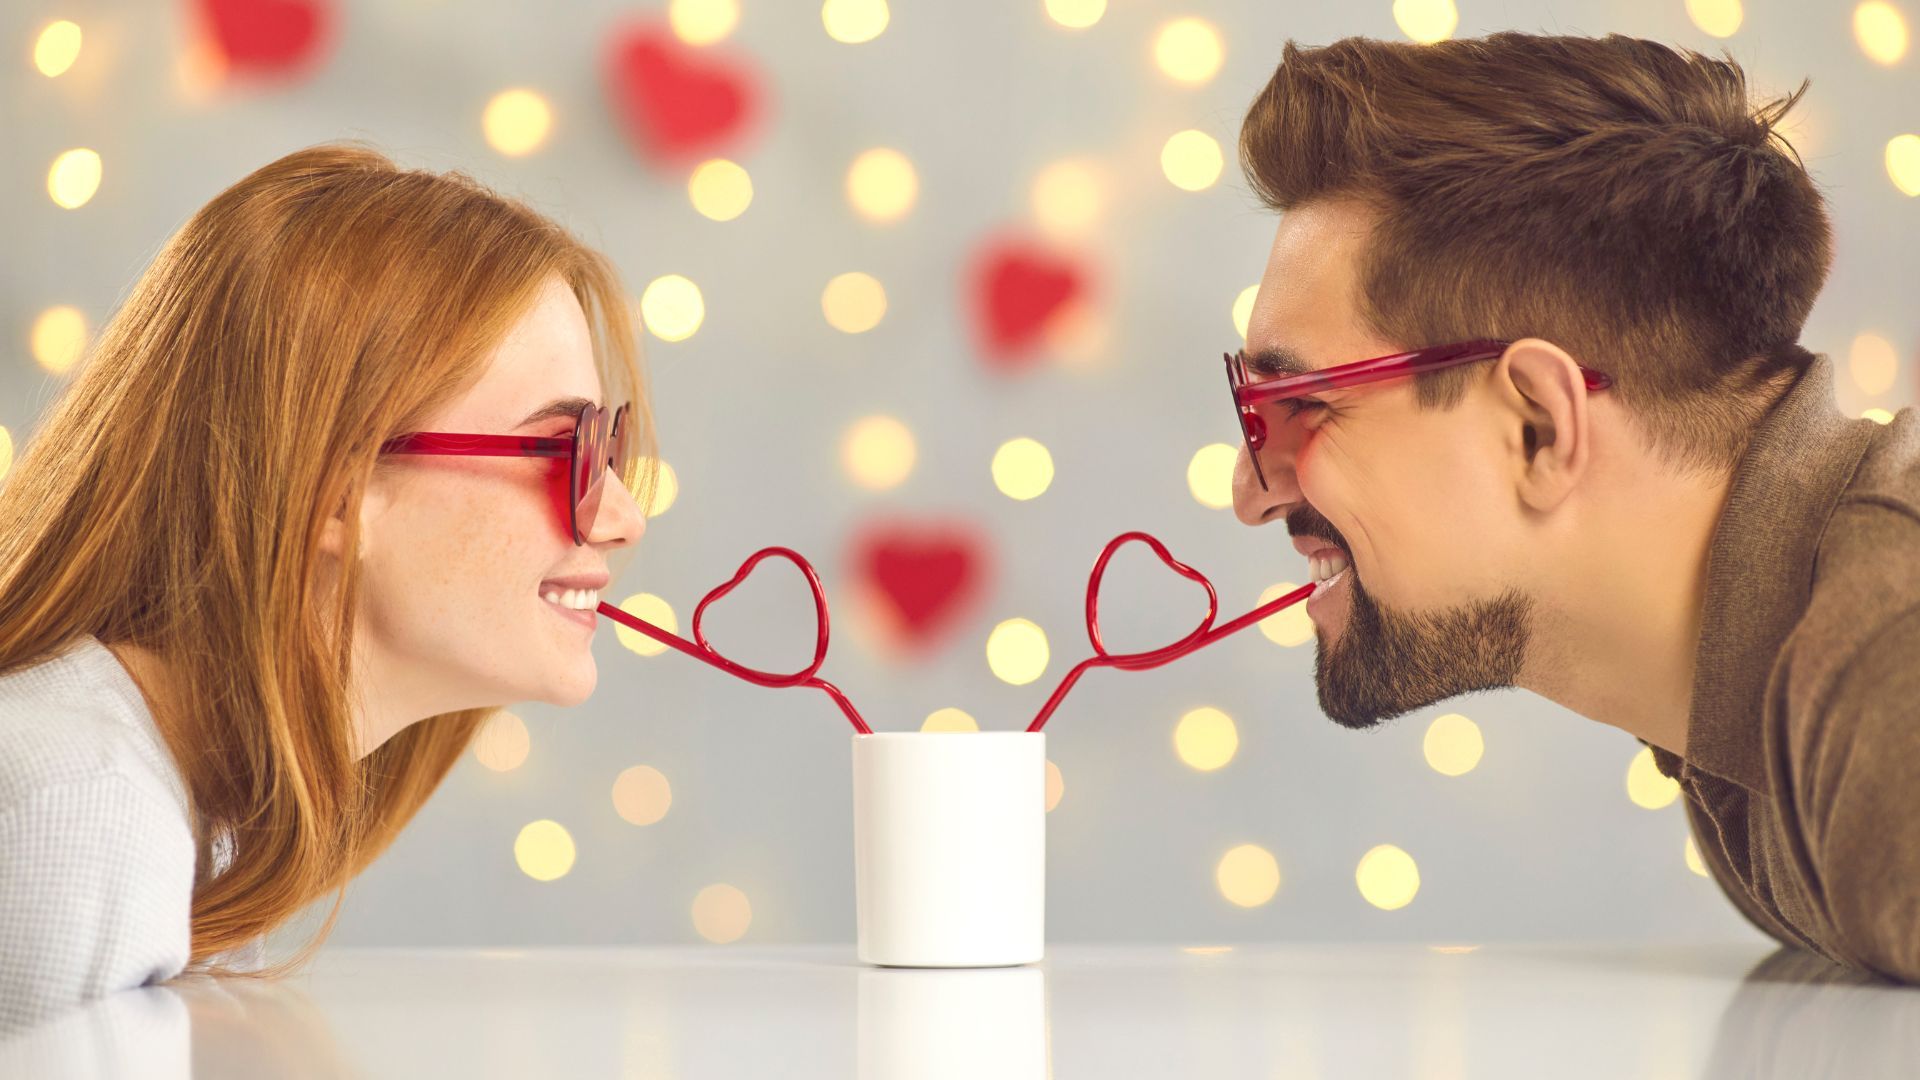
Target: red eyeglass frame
1248,394
601,440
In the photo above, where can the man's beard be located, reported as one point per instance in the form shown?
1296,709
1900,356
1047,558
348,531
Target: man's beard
1385,664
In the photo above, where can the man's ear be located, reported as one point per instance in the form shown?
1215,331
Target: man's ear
1547,397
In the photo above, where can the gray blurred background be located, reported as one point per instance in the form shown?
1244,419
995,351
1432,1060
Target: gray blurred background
1539,840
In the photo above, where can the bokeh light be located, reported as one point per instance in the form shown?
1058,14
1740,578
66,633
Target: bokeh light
1881,31
1878,416
6,452
1646,785
703,22
949,719
503,742
1694,862
1081,334
1874,363
672,308
1189,51
1801,129
1387,877
854,303
666,489
1721,18
720,189
1206,738
652,609
877,452
516,122
1056,786
721,914
1903,163
1426,21
882,185
200,69
1243,309
1068,199
58,339
641,795
1290,626
1210,475
1453,745
1022,469
544,850
1192,160
1248,875
74,177
1076,14
1017,652
57,47
854,21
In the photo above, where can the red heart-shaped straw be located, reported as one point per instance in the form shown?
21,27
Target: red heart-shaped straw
768,678
1206,633
1203,635
1178,567
700,650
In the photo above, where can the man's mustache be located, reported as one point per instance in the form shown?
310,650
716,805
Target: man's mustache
1304,520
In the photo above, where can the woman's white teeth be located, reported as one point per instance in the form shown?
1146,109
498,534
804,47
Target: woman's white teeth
1324,568
577,599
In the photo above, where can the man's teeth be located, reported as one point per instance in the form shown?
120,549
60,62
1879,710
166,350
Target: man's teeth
1323,568
577,599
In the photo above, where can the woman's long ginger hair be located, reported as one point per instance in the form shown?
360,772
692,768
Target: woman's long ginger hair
173,497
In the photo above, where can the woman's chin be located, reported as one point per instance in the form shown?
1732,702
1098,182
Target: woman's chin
574,689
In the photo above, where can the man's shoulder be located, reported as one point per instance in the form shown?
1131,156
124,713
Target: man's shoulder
1866,569
1861,623
1889,471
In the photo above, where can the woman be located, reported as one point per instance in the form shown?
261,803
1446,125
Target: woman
332,486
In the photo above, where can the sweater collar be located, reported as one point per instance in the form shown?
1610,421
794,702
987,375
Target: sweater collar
1760,567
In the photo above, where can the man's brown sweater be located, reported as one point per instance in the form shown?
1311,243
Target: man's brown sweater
1802,771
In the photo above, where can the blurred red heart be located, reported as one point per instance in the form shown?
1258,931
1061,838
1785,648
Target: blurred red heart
675,101
920,578
1018,289
269,37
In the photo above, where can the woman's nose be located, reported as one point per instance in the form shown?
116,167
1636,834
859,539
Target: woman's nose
620,521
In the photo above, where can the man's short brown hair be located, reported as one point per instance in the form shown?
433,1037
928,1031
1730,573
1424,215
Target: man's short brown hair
1615,196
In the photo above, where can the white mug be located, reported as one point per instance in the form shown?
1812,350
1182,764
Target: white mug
950,847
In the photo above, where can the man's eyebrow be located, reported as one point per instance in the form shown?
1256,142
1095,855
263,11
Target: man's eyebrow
566,406
1276,360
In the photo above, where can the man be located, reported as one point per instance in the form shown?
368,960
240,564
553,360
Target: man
1607,473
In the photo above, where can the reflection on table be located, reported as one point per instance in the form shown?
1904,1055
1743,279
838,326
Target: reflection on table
1268,1010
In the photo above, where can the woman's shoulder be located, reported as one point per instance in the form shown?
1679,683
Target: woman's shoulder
96,849
77,719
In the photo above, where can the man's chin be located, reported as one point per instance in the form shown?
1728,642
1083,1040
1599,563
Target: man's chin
1381,664
1341,707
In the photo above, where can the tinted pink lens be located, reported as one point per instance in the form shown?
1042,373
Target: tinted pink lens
622,449
1252,430
589,465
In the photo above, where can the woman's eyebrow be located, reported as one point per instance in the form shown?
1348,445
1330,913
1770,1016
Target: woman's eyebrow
566,406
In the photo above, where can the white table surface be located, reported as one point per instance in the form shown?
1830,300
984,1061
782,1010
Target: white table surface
1086,1011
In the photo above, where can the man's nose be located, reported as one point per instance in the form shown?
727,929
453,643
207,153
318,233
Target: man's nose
1255,505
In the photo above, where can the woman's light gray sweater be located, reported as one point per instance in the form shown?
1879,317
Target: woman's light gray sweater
96,847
